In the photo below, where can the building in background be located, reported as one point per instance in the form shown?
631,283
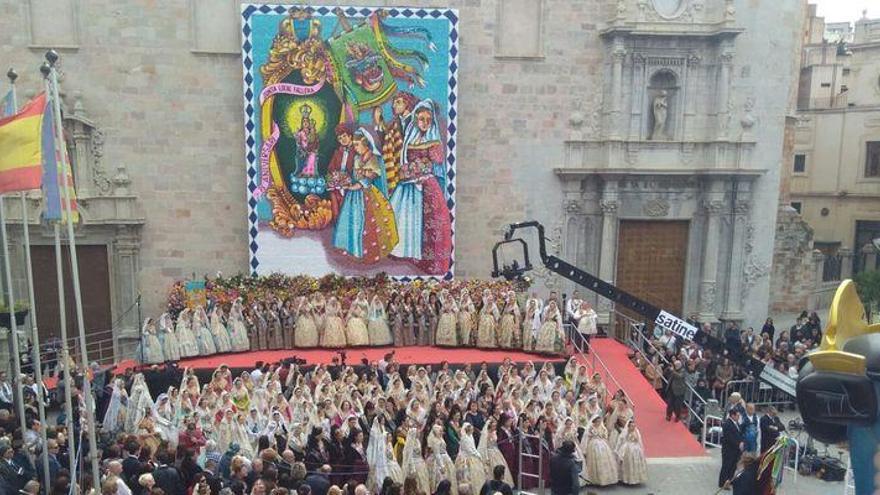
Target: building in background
835,171
646,134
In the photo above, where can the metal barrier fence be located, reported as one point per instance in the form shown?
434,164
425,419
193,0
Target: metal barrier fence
696,404
713,431
757,392
593,361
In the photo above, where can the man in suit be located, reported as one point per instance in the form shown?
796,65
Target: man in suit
132,468
731,446
167,476
54,465
771,427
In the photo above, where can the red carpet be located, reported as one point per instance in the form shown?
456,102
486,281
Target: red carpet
661,438
404,355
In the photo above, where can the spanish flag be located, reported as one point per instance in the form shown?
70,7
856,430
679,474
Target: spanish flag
20,147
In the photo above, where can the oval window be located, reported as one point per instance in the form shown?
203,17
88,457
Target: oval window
668,8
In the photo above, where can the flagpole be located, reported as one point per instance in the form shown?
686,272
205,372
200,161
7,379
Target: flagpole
52,58
65,356
10,304
38,365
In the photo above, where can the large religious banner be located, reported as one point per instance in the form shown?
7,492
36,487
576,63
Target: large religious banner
350,132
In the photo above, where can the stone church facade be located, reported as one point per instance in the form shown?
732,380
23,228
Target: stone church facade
646,134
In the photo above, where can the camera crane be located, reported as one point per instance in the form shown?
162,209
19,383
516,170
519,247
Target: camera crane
650,312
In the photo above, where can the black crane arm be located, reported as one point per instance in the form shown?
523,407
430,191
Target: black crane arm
609,291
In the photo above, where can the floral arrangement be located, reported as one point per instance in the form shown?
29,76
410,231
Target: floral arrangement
414,170
338,180
225,290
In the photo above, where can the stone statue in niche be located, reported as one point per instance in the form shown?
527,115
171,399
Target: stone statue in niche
660,109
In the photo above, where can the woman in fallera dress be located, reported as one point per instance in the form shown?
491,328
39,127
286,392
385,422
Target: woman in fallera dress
319,310
203,333
288,321
219,332
486,338
470,467
395,318
170,342
306,330
189,346
550,335
440,465
237,330
259,328
446,332
380,334
151,347
422,320
508,328
334,328
466,317
531,324
488,448
356,332
410,318
276,330
433,317
601,460
631,451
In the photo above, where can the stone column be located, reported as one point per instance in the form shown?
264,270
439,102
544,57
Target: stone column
608,252
618,55
637,97
724,108
733,305
82,143
819,267
714,205
846,263
690,96
126,267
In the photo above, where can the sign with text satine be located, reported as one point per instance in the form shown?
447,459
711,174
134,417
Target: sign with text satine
676,325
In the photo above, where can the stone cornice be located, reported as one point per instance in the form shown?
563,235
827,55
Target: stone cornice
717,30
579,173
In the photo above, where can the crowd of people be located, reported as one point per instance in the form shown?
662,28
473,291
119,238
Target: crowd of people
682,370
444,316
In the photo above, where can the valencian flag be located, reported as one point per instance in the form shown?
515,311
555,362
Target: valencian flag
20,147
52,181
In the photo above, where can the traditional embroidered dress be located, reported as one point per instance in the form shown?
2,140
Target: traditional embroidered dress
170,342
114,417
440,465
334,328
446,327
413,463
470,467
492,457
631,452
306,331
189,345
601,460
508,329
550,335
237,330
219,332
356,332
466,315
203,333
380,334
151,347
486,337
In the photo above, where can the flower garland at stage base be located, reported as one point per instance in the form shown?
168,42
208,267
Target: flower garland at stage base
224,290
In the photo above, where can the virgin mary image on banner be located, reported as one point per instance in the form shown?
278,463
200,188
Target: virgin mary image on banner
351,139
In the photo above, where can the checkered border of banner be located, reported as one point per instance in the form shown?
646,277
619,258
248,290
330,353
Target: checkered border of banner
248,11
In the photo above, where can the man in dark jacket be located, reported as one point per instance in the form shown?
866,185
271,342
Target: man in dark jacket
167,476
731,446
564,470
132,467
319,482
496,484
675,392
771,427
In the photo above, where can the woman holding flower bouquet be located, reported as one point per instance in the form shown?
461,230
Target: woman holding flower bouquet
419,200
365,228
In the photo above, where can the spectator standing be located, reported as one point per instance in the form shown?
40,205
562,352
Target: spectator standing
731,447
675,392
497,484
564,471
